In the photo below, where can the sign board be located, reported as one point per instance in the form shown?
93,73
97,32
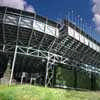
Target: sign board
70,31
32,24
77,36
45,28
26,22
11,19
86,41
73,33
50,30
82,39
40,26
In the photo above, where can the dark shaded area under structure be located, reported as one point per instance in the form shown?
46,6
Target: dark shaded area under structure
73,77
3,63
32,67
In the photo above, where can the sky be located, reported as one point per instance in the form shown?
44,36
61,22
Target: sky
58,8
89,10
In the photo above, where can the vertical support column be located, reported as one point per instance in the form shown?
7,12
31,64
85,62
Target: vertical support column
13,64
49,70
46,77
3,47
75,77
93,81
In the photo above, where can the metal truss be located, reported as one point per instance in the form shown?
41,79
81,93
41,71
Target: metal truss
50,70
19,37
51,60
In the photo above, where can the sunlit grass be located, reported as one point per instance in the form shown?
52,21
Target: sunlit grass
28,92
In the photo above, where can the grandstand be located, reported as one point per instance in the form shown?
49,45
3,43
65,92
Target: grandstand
34,45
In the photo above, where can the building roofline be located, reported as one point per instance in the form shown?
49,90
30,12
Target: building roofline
66,22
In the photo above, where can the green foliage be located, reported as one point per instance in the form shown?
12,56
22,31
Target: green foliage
83,80
28,92
67,78
98,82
64,77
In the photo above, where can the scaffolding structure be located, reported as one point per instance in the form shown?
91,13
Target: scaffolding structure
30,34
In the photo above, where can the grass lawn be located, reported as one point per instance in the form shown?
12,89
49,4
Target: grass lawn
28,92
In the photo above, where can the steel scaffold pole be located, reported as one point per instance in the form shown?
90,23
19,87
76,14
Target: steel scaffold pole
13,64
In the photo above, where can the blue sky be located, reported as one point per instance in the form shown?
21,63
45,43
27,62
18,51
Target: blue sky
89,10
57,9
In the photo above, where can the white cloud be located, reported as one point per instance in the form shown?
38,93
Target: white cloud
96,19
30,9
98,29
96,12
19,4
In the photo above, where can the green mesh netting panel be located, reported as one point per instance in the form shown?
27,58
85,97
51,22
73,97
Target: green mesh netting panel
64,77
83,79
97,82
